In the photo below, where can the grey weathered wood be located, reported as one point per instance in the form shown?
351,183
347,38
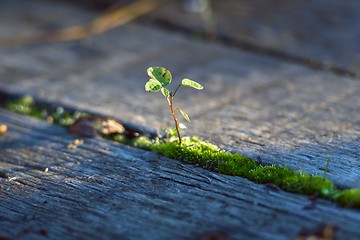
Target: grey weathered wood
315,31
104,190
260,106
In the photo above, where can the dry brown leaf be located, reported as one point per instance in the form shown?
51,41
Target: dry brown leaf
111,126
84,126
92,126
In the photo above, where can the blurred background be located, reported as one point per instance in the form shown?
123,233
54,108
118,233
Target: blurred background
321,33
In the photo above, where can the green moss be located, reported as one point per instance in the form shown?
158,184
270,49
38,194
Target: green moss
26,105
348,197
209,156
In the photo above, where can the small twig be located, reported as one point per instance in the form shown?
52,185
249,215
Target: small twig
173,94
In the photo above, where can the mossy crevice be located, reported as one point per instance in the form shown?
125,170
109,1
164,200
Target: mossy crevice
27,105
209,156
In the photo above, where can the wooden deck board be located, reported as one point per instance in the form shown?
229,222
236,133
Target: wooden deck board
106,190
272,110
296,116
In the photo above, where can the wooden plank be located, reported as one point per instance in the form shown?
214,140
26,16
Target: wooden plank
300,122
105,190
318,33
259,106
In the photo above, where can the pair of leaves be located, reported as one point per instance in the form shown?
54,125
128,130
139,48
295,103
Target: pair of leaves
161,77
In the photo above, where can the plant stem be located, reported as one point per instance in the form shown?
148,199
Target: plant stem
170,101
173,95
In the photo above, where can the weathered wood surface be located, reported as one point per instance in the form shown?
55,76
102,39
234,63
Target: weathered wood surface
312,32
257,105
104,190
260,106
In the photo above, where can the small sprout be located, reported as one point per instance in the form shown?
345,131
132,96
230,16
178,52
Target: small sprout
160,77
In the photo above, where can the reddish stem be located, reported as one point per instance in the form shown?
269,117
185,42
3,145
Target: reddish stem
170,101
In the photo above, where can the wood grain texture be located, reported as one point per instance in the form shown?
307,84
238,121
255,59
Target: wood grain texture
262,107
259,106
105,190
295,116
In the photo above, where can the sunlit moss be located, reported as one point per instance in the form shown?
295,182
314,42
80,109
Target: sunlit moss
348,197
209,156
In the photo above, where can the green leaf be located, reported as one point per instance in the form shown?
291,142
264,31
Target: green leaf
190,83
182,126
152,86
184,114
165,92
160,74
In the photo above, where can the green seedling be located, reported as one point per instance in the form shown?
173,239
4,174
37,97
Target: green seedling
160,77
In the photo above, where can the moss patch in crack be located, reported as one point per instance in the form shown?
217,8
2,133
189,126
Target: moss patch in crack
26,105
348,197
209,156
